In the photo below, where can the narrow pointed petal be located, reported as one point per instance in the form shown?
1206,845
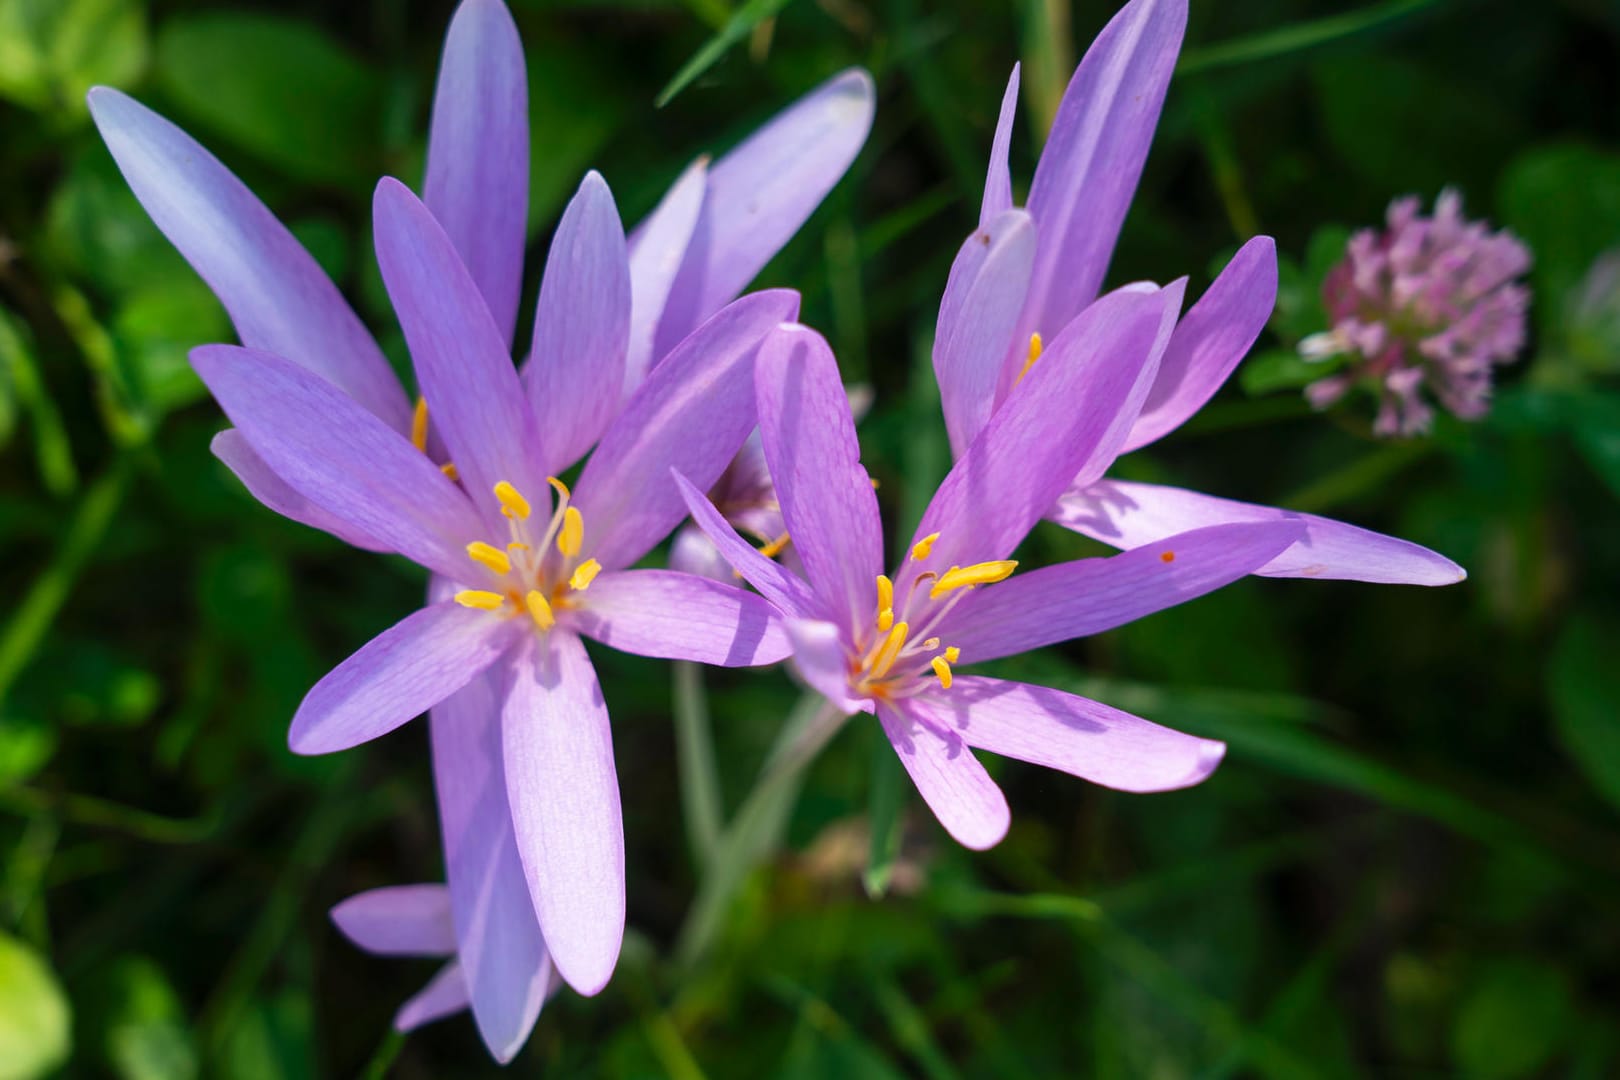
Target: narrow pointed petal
1095,153
1036,442
575,372
949,778
814,457
1211,338
475,401
1076,735
263,484
477,182
399,674
503,957
822,660
657,250
341,458
564,792
760,193
444,995
998,178
774,581
675,616
1129,515
691,414
978,316
1089,596
279,299
399,920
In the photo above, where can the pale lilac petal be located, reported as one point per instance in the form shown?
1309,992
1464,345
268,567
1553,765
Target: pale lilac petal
340,457
444,995
1094,156
949,778
998,178
977,318
676,616
822,660
233,450
1037,441
774,581
399,674
691,552
575,373
475,401
759,194
503,957
564,792
1089,596
279,299
1074,734
399,920
657,249
1129,515
477,182
1210,340
691,414
815,459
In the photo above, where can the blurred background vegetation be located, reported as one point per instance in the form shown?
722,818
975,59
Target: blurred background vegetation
1408,865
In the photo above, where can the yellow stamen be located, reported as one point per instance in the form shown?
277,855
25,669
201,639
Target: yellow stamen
492,557
952,654
516,546
539,610
449,469
890,650
985,573
775,547
920,550
931,644
479,599
943,669
584,574
885,620
513,504
885,589
419,425
560,487
1034,355
572,534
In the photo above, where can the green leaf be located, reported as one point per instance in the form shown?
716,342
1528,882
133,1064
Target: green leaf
1514,1019
1296,37
34,1019
156,328
52,51
1583,685
1564,201
1279,369
884,817
147,1038
738,27
278,88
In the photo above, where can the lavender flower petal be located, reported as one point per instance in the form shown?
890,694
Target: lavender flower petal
775,582
399,920
821,657
398,675
231,448
998,179
691,414
564,794
1076,735
949,778
444,995
477,182
1129,515
657,248
279,299
675,616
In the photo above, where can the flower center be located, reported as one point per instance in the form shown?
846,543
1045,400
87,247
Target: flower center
529,575
902,649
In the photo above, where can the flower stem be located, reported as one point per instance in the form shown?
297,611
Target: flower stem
694,758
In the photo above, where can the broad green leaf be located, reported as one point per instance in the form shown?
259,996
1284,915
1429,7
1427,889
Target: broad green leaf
1514,1019
147,1037
1583,685
52,51
35,1022
279,88
157,328
1279,369
1564,201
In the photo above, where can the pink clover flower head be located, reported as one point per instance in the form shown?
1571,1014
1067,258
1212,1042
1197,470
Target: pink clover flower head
1428,301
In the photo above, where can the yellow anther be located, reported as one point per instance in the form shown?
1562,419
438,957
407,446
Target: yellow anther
942,668
952,654
775,547
885,589
1034,355
885,620
560,487
920,550
584,574
516,546
490,556
513,504
419,425
985,573
572,533
478,598
891,649
539,610
449,469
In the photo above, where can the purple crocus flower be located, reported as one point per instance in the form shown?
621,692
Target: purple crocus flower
1428,301
889,643
1026,273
